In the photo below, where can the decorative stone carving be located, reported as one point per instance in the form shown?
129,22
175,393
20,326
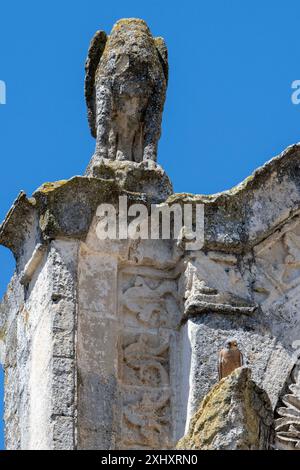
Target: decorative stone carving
149,309
287,426
277,267
126,81
146,423
95,351
152,301
201,297
144,361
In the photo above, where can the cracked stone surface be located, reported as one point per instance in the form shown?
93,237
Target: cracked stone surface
235,415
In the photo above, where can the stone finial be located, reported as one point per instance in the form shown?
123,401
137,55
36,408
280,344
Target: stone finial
125,89
235,415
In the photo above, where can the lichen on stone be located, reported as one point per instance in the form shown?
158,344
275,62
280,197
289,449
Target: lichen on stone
51,186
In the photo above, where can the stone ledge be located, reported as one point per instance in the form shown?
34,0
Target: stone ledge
238,219
66,208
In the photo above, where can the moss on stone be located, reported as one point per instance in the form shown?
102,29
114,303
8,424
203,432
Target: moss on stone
231,416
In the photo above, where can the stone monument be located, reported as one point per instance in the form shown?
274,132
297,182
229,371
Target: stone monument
113,343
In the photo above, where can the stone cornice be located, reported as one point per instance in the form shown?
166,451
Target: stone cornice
235,220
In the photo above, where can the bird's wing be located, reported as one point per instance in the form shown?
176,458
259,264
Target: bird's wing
220,365
241,359
94,55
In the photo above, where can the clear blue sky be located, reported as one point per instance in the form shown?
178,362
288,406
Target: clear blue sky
228,107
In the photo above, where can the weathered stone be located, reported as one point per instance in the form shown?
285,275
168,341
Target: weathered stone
66,208
126,81
235,415
63,432
113,344
17,226
238,219
287,424
39,350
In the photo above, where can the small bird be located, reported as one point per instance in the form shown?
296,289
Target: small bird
230,358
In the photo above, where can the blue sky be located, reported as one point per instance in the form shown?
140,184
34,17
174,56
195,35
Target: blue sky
228,107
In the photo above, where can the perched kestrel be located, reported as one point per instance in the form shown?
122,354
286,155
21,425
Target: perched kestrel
230,358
